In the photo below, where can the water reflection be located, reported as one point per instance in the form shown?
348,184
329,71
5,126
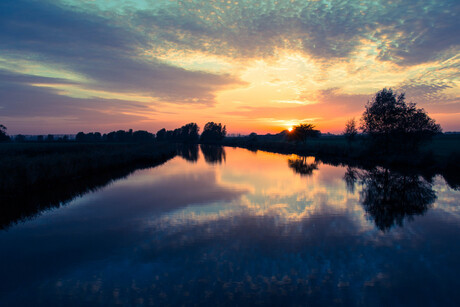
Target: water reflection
247,231
213,154
303,165
390,197
188,151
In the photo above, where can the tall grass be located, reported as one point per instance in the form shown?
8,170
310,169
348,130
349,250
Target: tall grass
23,165
37,177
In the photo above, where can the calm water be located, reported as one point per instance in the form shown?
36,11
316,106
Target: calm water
229,226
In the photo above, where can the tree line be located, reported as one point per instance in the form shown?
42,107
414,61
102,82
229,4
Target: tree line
189,133
390,123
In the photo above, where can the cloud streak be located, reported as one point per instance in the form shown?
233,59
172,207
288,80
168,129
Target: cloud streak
103,50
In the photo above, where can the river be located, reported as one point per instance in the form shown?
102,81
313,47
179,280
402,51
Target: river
226,226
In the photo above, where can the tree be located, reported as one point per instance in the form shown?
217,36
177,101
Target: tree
392,122
350,131
301,132
80,137
20,138
213,132
189,132
3,136
161,134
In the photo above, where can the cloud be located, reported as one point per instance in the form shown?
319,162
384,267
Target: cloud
32,106
406,32
122,48
107,52
330,103
414,33
12,77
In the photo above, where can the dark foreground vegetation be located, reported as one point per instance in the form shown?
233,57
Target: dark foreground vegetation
440,155
28,164
37,176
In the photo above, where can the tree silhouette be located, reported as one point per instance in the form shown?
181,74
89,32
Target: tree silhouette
20,138
213,132
350,131
301,132
3,136
392,122
189,133
161,135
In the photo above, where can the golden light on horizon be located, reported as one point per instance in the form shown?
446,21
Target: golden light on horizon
290,128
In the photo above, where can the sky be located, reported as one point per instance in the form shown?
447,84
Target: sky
256,66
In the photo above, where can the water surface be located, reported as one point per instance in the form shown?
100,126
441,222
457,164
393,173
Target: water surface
229,226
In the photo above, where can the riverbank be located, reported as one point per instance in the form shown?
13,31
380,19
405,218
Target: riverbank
39,176
26,164
438,156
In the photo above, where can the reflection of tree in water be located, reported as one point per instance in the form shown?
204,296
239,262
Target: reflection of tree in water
350,177
188,151
303,165
213,154
390,197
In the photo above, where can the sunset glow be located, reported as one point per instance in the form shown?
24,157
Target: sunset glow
69,66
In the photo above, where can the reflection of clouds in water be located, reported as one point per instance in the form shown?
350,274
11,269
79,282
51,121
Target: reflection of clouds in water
325,191
448,199
206,234
276,193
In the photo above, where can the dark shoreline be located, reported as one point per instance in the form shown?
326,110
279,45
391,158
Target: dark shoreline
427,162
35,177
39,177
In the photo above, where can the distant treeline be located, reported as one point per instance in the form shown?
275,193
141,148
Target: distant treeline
116,136
188,133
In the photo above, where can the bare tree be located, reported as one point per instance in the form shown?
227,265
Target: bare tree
350,131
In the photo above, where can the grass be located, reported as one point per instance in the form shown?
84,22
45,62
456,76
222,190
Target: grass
438,156
27,164
38,176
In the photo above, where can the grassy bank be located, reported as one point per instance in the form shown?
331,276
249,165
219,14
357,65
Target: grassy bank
438,156
35,177
28,164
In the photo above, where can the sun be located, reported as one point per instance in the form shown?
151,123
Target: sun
290,128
